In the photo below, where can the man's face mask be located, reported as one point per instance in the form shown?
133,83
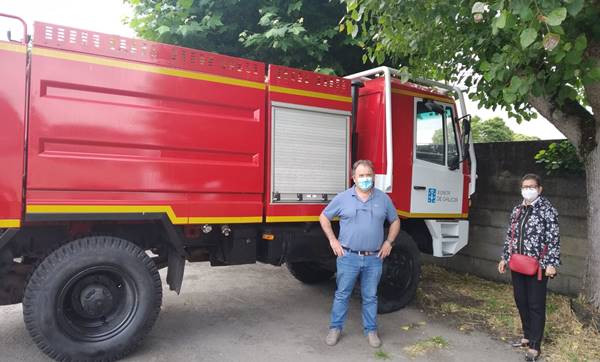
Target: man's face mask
365,183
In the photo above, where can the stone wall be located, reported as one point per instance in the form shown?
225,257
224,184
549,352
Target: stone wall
500,167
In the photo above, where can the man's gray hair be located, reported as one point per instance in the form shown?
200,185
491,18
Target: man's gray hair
367,163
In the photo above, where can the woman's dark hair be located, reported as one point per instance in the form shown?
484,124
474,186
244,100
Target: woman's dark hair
532,176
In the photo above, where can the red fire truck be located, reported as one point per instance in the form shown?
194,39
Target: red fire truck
123,156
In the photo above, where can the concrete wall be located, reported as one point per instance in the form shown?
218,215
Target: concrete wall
500,167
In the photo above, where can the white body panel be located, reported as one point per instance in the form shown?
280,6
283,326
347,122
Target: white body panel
442,193
436,189
448,236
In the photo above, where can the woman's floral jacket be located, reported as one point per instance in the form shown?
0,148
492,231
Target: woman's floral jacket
539,231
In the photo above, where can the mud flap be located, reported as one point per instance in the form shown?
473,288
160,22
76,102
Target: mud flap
176,267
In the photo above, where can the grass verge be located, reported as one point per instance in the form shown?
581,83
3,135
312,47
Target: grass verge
472,303
422,347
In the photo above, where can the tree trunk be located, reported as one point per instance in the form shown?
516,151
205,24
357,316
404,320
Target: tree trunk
592,277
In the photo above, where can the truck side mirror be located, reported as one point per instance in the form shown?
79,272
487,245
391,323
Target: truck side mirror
433,107
466,135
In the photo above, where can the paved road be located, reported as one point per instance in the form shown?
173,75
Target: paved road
261,313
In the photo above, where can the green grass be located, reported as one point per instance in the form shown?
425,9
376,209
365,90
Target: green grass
474,303
380,354
424,346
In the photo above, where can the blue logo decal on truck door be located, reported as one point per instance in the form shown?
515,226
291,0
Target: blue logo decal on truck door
431,195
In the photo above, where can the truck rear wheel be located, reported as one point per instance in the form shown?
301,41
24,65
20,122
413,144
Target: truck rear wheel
309,272
400,276
92,299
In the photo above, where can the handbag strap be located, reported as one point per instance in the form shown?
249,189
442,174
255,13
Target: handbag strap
512,231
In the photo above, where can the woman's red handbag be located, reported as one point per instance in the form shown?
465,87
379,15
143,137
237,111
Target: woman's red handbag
524,264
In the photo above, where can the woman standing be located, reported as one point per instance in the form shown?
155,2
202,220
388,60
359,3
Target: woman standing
533,231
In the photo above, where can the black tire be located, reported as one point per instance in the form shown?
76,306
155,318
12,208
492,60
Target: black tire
93,299
400,276
309,272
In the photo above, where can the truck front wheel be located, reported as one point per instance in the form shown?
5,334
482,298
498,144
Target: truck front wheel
92,299
400,276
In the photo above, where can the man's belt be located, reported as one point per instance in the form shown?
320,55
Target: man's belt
361,252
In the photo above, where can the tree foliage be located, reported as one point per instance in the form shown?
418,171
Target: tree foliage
298,33
560,158
490,130
495,130
506,58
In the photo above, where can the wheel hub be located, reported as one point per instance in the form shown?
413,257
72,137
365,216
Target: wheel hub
96,300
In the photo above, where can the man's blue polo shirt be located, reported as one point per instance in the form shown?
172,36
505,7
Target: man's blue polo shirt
361,223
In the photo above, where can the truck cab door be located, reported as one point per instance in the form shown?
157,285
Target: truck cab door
438,181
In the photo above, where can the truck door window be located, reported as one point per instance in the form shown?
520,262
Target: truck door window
452,139
430,135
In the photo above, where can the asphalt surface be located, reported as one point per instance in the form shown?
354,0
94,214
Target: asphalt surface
261,313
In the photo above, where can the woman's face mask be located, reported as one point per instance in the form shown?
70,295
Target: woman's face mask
529,193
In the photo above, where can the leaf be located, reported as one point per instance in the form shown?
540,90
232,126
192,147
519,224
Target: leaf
573,57
162,29
527,37
526,14
575,7
185,4
595,73
508,96
501,21
580,43
355,31
556,17
349,27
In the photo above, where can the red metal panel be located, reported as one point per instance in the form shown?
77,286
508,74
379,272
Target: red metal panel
139,50
302,87
371,137
12,134
309,81
370,126
403,130
98,125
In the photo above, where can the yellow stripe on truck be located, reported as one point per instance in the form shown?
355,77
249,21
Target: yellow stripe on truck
10,223
17,48
305,93
140,209
417,215
98,60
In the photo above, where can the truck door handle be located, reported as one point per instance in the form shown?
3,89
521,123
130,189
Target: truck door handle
419,187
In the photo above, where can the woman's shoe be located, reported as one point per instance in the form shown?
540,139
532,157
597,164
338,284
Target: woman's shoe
520,343
532,355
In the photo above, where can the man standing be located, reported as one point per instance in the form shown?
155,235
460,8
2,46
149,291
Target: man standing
360,248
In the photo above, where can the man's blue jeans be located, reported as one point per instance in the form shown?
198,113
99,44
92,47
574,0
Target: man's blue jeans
349,267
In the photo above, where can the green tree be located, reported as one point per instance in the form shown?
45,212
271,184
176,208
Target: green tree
490,130
519,54
495,130
297,33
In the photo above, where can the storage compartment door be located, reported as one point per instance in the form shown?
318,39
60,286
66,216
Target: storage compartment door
310,153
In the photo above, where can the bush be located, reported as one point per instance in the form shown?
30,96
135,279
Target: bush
560,158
